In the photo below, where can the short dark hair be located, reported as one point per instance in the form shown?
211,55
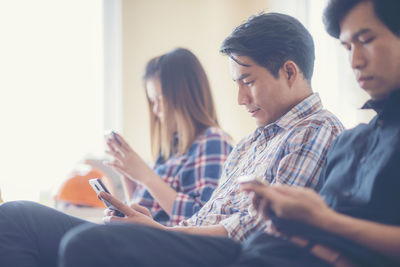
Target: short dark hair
386,10
271,39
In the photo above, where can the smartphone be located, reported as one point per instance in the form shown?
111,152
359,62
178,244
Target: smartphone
252,179
115,137
112,134
257,180
98,186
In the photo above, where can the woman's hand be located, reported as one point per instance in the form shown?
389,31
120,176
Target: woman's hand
126,161
289,202
137,214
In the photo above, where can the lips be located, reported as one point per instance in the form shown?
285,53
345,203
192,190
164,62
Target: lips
253,111
363,80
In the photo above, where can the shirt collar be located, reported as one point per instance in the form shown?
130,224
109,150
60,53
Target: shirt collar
306,107
386,107
303,109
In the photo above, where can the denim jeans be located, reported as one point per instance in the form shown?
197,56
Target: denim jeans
34,235
30,234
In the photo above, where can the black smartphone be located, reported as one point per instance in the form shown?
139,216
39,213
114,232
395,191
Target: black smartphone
115,137
98,186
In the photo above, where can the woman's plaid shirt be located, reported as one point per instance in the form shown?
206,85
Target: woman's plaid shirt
193,175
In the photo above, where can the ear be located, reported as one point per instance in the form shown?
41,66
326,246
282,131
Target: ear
290,71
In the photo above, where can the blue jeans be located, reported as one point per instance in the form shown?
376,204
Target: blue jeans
125,245
30,234
34,235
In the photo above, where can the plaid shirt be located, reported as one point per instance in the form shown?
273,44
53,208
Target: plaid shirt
193,175
290,151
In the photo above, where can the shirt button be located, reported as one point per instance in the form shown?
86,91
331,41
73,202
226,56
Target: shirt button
346,194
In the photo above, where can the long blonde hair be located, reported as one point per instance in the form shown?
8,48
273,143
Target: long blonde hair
187,100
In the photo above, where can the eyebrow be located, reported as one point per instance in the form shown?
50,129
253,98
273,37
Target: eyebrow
243,76
238,62
357,34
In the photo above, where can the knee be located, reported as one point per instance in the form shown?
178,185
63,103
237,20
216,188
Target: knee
101,245
80,244
11,209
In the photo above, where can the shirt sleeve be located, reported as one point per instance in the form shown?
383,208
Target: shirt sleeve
241,224
199,175
305,158
300,165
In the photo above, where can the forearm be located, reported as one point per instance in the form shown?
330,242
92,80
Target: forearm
129,187
161,192
212,230
382,238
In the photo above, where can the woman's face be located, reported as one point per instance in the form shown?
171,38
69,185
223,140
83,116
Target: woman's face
154,93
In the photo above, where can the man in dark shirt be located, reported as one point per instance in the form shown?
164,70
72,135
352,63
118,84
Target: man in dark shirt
356,222
357,219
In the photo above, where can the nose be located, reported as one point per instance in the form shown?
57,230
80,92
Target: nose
243,95
357,58
156,107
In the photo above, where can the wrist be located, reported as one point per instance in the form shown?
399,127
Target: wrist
148,177
325,220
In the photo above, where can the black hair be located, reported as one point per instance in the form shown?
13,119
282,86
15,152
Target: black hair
386,10
271,39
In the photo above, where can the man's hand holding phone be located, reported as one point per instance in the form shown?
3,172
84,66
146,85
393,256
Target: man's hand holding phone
247,182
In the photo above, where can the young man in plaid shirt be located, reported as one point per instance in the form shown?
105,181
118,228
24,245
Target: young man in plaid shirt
271,58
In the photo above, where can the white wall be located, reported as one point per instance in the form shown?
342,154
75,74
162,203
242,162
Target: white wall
333,78
51,92
151,28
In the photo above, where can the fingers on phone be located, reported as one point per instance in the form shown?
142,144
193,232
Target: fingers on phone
109,212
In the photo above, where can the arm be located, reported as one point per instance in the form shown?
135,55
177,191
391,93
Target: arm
134,169
129,187
140,215
211,230
384,239
198,177
300,162
194,175
313,211
305,154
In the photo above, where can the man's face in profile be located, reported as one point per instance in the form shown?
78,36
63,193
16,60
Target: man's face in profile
264,96
374,51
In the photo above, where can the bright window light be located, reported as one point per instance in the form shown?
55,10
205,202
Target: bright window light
51,101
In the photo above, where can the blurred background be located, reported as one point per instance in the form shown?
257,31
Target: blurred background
72,69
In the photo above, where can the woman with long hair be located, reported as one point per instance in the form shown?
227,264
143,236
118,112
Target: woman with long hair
187,144
189,149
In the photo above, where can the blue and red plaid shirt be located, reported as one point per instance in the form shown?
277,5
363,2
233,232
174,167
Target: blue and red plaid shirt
193,175
290,150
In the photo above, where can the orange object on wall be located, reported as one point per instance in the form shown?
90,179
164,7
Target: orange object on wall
76,189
